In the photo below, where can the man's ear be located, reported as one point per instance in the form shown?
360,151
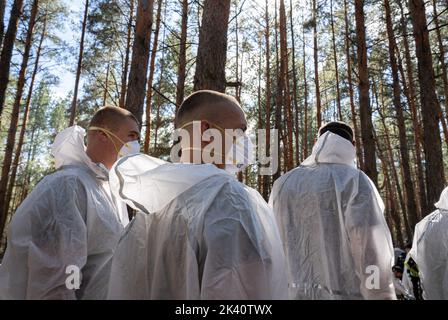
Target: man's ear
204,126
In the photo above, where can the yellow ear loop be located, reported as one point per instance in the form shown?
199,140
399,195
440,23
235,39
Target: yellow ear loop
109,133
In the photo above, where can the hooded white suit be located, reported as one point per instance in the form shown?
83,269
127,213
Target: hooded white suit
430,251
200,234
337,244
69,219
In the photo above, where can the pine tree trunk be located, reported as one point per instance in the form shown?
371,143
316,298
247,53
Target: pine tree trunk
305,93
182,63
294,87
79,67
316,67
286,96
15,116
124,75
106,86
8,46
210,64
414,113
135,95
152,67
435,178
267,178
18,152
350,91
2,18
411,207
335,57
368,140
441,55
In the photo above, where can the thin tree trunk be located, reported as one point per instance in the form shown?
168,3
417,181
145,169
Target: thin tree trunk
294,86
135,95
441,55
316,67
411,207
305,92
335,57
210,64
2,18
267,178
435,178
15,116
286,97
124,75
278,101
350,90
79,67
106,86
8,46
18,152
368,140
152,67
181,67
414,113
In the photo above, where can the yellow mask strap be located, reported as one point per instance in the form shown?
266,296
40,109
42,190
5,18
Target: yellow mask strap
109,133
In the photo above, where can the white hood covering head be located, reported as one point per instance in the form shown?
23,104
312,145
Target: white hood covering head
332,148
442,204
68,148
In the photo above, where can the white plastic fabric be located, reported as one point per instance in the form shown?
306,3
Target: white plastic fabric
430,251
331,221
68,219
200,234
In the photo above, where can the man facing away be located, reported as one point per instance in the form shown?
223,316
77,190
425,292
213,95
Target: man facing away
200,234
430,251
336,240
62,237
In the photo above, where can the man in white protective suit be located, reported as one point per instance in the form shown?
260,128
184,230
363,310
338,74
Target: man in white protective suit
200,234
430,251
62,237
336,240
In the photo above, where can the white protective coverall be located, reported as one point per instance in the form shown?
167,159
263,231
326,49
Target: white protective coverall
69,219
430,251
330,215
200,234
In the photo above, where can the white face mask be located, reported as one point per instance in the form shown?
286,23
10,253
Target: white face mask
128,148
131,147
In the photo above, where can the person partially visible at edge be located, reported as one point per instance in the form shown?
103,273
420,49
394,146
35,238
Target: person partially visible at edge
430,251
200,233
330,214
62,237
411,279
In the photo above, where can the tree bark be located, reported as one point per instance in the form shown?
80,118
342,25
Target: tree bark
2,18
152,67
350,90
124,75
135,95
335,57
181,66
15,116
435,178
79,67
368,140
210,64
8,46
18,152
267,178
411,207
316,67
285,91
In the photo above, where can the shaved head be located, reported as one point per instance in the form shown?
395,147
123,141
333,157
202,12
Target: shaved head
111,118
212,106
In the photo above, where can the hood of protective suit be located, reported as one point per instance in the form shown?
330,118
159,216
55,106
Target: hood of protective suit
332,148
442,204
69,149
